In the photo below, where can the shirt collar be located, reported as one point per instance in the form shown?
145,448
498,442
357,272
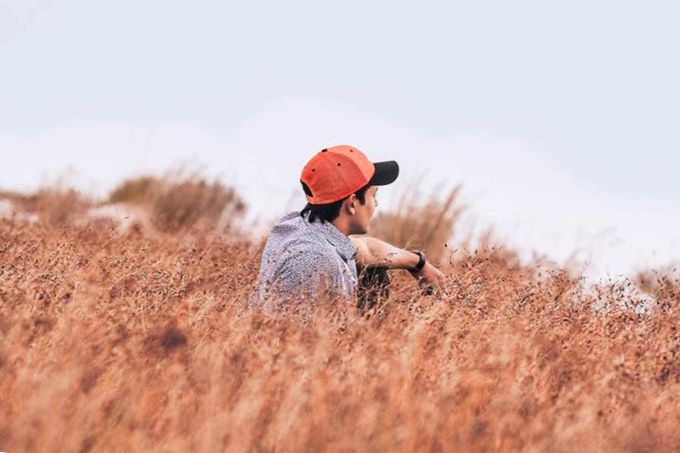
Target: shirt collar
342,243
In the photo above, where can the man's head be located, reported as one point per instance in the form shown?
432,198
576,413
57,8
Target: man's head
340,184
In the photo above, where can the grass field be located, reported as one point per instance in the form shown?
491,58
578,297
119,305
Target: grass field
142,341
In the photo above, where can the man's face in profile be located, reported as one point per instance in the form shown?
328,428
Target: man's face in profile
364,212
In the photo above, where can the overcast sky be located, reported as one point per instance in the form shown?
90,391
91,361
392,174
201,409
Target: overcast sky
562,121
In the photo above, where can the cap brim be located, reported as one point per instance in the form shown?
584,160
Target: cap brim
385,173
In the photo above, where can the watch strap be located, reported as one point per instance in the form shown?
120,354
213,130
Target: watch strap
421,261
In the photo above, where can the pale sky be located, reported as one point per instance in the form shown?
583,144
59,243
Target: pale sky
561,120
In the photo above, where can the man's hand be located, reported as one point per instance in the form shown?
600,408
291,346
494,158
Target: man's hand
429,277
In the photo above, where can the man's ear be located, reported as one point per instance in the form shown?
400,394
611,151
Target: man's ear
351,204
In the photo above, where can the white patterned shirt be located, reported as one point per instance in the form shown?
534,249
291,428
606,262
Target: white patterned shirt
304,258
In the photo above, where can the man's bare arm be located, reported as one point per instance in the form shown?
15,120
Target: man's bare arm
374,252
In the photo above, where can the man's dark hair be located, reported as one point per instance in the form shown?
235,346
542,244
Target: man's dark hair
331,211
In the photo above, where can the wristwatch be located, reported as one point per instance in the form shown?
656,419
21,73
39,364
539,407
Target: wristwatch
421,261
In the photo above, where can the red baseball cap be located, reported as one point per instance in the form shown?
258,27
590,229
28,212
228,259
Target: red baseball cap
336,173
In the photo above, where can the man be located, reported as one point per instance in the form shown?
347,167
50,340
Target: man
311,251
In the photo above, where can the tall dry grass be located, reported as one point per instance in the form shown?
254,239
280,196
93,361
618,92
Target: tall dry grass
131,342
421,221
56,204
183,200
179,201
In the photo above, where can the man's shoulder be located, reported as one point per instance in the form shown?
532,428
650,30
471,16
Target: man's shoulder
310,250
287,217
300,241
294,241
301,246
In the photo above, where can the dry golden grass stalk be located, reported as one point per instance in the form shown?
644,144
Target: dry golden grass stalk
57,204
182,200
417,223
135,190
114,342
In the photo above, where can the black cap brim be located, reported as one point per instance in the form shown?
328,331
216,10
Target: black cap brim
385,173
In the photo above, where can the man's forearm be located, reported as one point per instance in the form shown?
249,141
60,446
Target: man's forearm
374,252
